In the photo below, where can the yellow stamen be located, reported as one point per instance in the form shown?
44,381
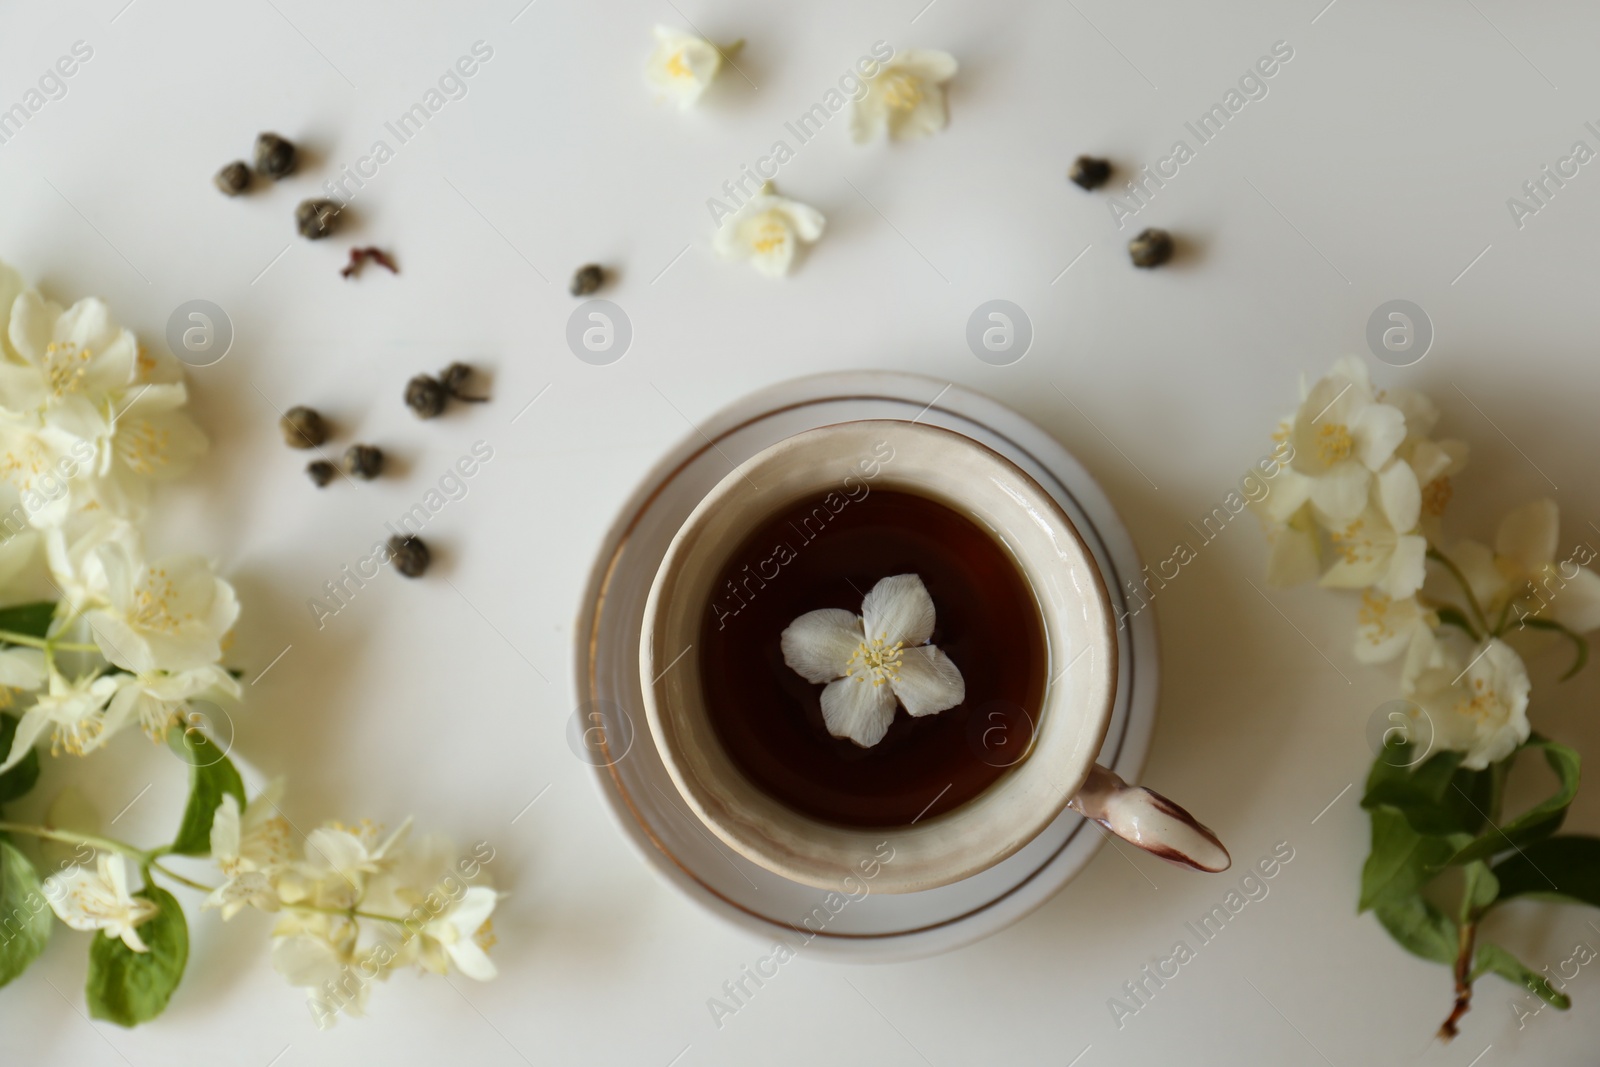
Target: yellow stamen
1373,615
1436,496
1352,545
1334,442
66,365
1482,704
877,661
76,738
677,67
152,604
771,233
901,91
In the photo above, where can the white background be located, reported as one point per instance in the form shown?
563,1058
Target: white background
1378,167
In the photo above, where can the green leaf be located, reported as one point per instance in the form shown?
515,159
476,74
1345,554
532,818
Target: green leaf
30,620
1557,868
1419,927
127,987
24,914
1449,616
211,777
1492,958
1580,646
1539,821
1480,891
20,778
1402,861
1437,797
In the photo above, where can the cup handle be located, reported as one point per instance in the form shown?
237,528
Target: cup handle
1145,818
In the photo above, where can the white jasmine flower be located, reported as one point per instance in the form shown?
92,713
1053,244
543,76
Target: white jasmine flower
1521,576
99,900
318,953
766,229
338,861
872,660
1387,626
682,66
156,700
147,439
251,849
72,554
446,920
462,934
86,415
74,707
1477,701
905,97
169,615
1378,547
1371,552
33,454
69,360
1526,546
1342,436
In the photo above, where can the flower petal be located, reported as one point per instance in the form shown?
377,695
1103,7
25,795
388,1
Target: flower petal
1408,567
1386,627
1458,451
807,221
86,324
1286,492
928,64
472,961
34,720
67,893
1429,460
867,117
682,66
1503,675
33,319
928,681
928,116
857,709
1341,494
477,904
305,961
1421,413
22,668
1577,604
1378,430
1476,561
1529,535
898,609
1400,495
771,245
819,644
225,829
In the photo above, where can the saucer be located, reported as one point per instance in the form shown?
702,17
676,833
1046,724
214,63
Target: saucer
640,794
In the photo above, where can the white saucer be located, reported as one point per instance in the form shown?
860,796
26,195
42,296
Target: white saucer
637,788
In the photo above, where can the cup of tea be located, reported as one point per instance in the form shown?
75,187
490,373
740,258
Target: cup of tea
881,630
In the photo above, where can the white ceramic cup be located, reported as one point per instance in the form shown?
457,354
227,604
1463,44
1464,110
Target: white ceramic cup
1059,768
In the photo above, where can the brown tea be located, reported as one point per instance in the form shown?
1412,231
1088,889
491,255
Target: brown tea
827,552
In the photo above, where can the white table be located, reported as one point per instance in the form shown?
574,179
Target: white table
1376,167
